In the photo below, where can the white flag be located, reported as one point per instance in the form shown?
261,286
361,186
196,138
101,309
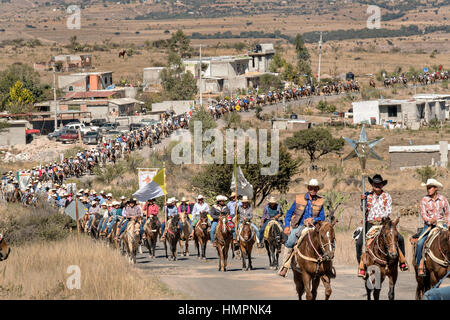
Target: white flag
244,188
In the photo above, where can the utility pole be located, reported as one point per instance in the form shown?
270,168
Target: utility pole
201,95
320,57
54,98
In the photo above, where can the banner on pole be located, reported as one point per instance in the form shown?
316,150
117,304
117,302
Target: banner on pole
24,180
146,175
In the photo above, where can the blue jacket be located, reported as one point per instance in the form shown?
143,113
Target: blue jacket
308,213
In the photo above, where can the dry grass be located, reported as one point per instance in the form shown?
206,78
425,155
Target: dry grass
39,271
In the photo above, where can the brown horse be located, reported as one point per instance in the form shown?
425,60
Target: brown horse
122,53
223,238
152,230
247,239
436,264
382,256
172,237
4,249
130,239
314,261
201,235
185,232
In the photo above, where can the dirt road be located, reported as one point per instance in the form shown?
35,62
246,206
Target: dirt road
199,279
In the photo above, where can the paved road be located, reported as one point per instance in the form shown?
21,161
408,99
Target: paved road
200,279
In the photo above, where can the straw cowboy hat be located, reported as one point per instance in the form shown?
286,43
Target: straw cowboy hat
377,179
199,197
272,200
314,183
432,182
233,194
244,199
109,195
184,199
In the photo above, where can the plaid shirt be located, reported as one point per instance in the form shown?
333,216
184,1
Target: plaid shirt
378,206
435,209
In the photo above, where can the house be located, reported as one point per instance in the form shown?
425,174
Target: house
15,133
86,81
404,157
152,76
261,56
66,62
407,113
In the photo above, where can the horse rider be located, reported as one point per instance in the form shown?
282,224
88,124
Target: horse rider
171,210
434,208
104,212
93,210
199,207
245,213
231,206
378,206
150,209
272,210
116,215
306,210
184,207
130,212
216,211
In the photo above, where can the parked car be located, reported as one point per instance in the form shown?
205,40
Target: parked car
107,127
98,122
92,137
76,126
135,126
69,136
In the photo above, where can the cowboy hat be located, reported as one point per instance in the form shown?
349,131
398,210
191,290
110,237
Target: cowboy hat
272,200
122,198
199,197
104,204
221,198
109,195
184,199
314,183
432,182
244,199
377,179
233,194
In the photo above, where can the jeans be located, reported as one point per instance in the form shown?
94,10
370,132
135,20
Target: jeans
359,243
420,243
91,218
124,226
213,229
114,219
292,239
261,231
141,231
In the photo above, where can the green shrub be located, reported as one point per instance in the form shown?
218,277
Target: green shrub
426,173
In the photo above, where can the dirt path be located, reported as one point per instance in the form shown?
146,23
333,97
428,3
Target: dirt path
199,279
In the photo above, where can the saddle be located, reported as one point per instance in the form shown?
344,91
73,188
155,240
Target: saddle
372,233
302,235
269,225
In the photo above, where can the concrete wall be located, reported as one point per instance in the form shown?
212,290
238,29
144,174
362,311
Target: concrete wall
77,82
152,75
15,134
98,111
178,107
419,156
364,110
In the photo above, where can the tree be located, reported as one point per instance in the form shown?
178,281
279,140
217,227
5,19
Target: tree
205,118
216,178
177,84
315,142
26,75
303,57
20,99
180,43
269,82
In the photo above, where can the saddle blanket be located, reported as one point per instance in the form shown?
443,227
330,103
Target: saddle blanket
269,225
372,233
303,234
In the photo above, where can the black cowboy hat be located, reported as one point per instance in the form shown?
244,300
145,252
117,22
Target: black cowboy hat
377,179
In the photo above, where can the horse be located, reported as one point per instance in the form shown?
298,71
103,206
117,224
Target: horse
201,235
223,238
130,240
382,252
273,245
247,238
152,230
436,253
5,250
185,232
372,83
172,237
313,260
94,232
122,53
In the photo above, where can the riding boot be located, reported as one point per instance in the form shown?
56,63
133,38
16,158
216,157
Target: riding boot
421,271
402,261
287,256
362,271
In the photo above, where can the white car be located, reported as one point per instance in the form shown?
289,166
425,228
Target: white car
76,126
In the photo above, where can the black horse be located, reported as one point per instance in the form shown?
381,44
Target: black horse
172,237
273,246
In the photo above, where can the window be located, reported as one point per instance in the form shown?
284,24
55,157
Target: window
70,88
392,111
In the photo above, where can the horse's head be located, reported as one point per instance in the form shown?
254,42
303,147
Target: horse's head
227,225
246,232
4,249
327,239
389,235
203,222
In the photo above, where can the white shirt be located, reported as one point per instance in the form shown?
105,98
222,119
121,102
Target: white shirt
198,208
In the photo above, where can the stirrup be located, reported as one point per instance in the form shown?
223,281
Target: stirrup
361,273
421,272
404,266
